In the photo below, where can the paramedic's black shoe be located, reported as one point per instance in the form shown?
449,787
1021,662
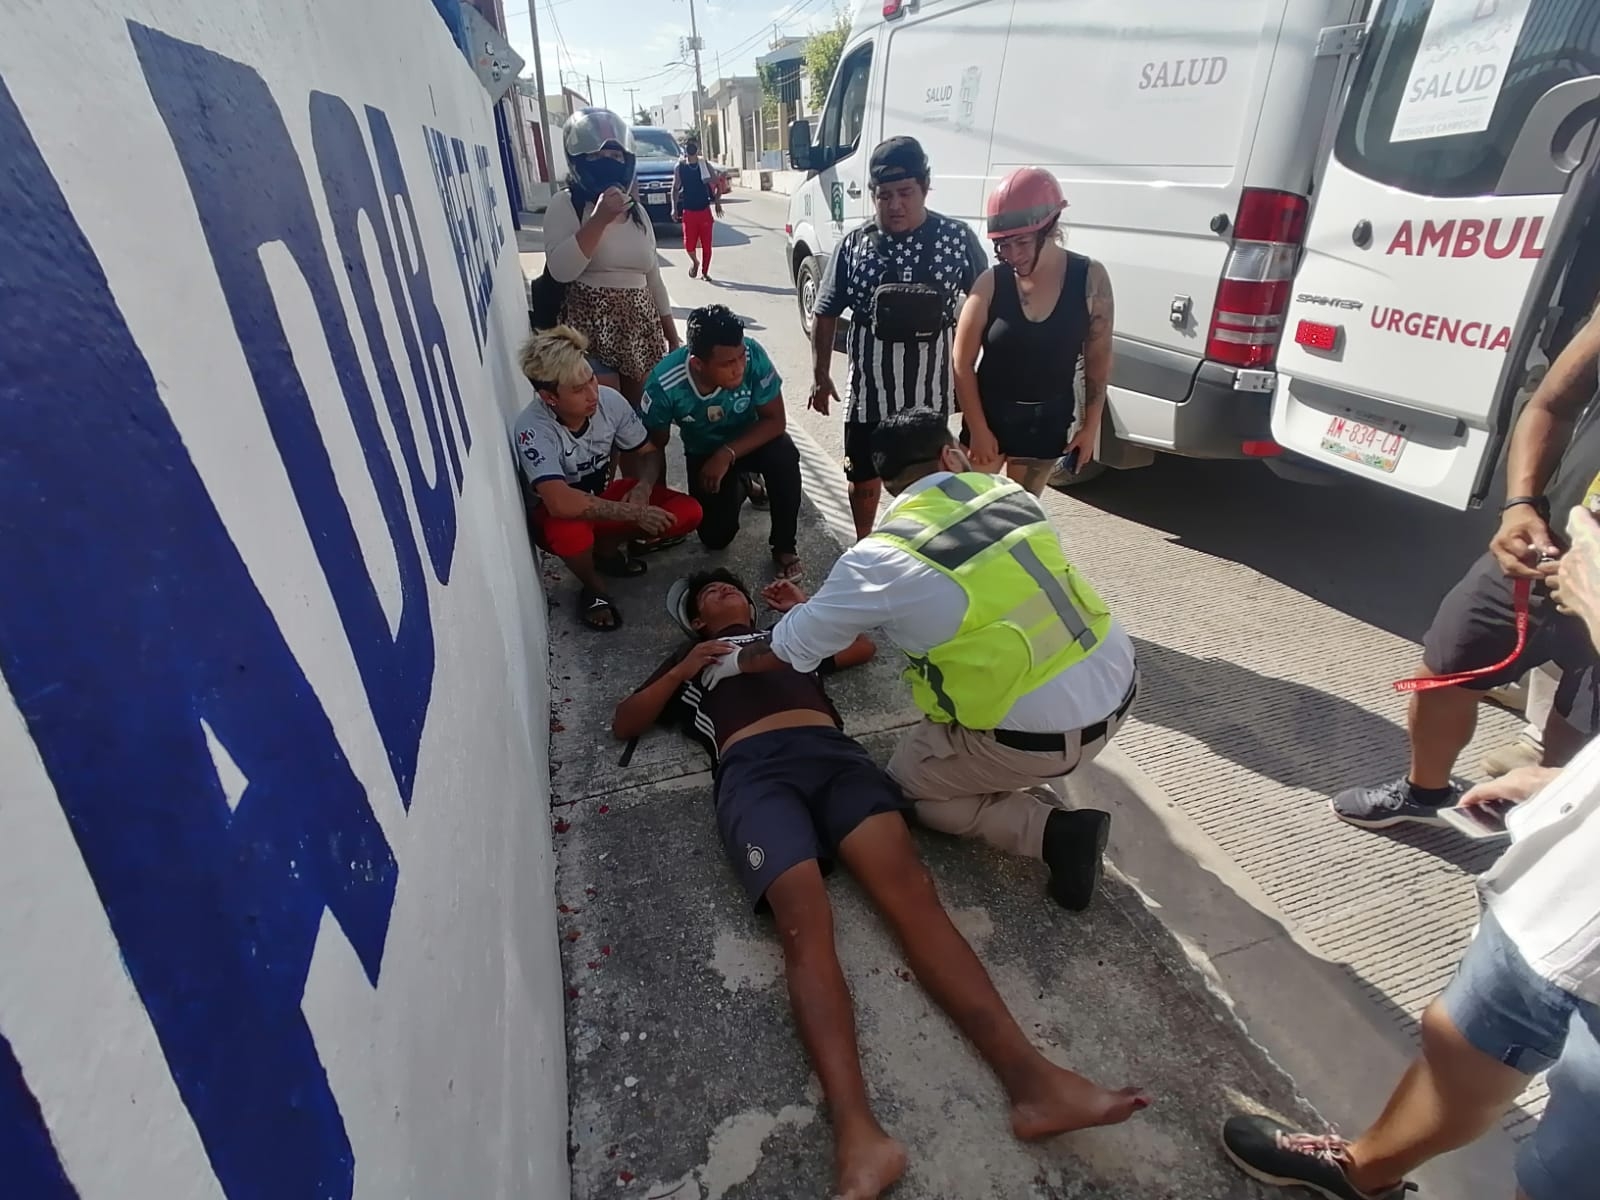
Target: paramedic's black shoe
1074,843
1393,804
1267,1150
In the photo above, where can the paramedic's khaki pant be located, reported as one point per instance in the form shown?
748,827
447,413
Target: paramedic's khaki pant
970,785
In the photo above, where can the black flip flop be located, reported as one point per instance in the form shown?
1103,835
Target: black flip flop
588,602
619,566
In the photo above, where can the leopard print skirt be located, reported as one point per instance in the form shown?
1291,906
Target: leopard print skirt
621,324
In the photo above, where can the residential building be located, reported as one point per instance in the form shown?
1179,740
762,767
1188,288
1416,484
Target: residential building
733,122
787,61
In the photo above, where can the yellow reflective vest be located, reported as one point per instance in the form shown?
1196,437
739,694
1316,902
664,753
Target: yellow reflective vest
1029,615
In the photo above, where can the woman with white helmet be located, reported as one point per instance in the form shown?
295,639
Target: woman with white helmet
1027,323
599,242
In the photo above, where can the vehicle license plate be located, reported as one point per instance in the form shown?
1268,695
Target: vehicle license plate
1365,444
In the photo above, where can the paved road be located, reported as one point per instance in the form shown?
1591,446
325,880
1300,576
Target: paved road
1270,618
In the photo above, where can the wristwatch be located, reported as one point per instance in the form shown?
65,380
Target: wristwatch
1539,504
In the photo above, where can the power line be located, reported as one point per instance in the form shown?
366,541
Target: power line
796,8
561,41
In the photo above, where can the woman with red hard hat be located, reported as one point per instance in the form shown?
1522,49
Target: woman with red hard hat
1023,330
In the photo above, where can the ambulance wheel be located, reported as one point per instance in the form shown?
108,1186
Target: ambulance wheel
805,290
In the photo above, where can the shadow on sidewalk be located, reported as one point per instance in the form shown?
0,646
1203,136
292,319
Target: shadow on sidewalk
1369,551
1289,732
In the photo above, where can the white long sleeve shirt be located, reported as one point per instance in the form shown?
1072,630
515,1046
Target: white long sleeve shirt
1545,890
625,257
876,585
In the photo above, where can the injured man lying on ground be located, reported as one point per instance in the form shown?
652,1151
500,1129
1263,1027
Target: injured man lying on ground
792,795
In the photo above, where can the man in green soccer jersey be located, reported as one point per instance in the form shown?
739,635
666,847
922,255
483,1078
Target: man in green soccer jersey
725,396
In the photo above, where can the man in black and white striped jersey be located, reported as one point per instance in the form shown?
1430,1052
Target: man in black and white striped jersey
902,277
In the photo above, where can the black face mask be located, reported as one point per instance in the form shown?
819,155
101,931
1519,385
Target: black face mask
601,173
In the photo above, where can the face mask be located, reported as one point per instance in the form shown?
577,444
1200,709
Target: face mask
602,173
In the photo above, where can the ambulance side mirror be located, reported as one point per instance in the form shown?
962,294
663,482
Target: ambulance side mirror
800,157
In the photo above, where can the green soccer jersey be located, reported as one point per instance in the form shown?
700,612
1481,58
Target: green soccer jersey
708,421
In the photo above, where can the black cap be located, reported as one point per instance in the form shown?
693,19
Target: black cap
896,159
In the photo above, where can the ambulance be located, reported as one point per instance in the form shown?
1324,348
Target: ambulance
1451,242
1334,228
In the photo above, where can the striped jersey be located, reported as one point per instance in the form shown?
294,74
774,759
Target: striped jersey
887,377
711,716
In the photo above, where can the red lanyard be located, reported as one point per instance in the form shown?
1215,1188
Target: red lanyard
1520,594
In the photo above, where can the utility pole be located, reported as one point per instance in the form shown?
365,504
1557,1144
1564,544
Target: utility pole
633,107
544,109
699,84
605,96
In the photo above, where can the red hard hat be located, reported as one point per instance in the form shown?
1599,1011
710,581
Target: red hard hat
1025,201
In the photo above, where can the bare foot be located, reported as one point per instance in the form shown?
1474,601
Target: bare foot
1064,1101
868,1164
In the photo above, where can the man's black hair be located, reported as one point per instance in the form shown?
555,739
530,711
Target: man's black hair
692,146
907,439
712,326
700,580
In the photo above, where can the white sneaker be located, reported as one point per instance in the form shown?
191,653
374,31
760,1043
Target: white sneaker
1512,696
1510,757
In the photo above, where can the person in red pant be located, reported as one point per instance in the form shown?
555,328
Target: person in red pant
564,442
692,202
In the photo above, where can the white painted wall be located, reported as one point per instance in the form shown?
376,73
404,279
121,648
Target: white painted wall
124,931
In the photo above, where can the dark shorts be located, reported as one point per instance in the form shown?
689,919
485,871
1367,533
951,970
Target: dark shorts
858,466
792,795
1476,627
1037,431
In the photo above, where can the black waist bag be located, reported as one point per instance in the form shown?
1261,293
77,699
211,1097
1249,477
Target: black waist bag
907,312
545,297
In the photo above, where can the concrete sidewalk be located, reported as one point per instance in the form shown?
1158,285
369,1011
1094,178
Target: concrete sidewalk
686,1077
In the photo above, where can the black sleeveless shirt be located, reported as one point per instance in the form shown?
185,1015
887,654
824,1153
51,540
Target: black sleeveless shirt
1027,374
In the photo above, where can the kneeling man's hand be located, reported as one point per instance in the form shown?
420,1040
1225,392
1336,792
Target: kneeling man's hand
701,655
725,667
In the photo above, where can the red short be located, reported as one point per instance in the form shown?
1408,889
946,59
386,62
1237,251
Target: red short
572,536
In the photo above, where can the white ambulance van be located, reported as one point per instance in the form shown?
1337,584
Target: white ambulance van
1451,241
1368,288
1186,135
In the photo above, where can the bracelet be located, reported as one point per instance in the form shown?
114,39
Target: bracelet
1539,504
733,455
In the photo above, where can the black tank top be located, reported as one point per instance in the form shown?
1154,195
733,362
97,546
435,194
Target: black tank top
1027,375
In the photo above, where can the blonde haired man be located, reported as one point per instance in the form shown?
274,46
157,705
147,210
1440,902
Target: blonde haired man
564,442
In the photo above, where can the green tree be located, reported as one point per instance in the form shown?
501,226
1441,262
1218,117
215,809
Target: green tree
822,57
642,117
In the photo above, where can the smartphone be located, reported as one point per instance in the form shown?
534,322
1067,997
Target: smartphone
1069,464
1480,820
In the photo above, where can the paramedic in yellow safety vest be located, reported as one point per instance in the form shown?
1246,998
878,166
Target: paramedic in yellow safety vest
1016,664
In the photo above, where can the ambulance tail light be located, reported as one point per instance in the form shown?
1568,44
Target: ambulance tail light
1257,279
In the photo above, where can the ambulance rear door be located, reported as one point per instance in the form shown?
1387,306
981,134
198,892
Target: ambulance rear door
1464,164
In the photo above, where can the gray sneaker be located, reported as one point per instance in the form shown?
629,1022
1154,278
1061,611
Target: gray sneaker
1270,1151
1390,804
